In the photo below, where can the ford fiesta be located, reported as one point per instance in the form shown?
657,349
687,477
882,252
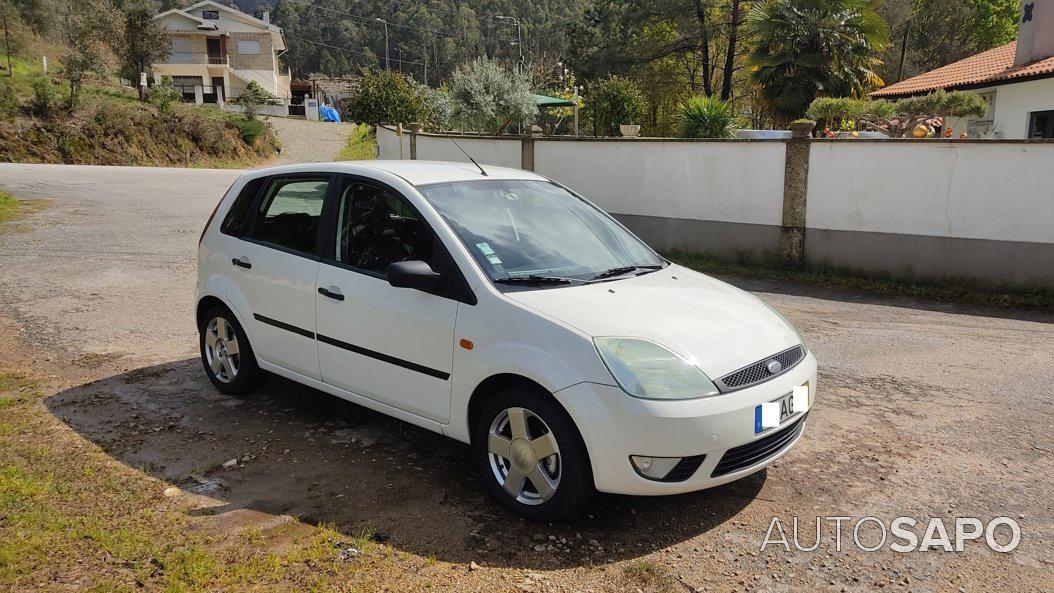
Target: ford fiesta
501,309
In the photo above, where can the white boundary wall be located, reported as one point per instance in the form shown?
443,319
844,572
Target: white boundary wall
979,209
716,181
977,190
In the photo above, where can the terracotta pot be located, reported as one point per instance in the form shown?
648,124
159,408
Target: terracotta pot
416,127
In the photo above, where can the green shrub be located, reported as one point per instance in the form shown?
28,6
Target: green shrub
164,95
253,97
251,130
385,98
45,98
707,117
612,102
9,103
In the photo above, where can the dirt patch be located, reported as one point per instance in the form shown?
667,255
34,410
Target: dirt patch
114,445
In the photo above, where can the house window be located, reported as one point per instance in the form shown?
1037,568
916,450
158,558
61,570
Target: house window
248,46
210,15
1041,124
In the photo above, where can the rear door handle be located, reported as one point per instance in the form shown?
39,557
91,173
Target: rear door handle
333,294
242,262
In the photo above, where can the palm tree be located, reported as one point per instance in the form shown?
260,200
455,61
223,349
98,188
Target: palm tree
809,48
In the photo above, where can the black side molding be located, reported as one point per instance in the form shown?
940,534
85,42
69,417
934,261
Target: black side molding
285,326
413,366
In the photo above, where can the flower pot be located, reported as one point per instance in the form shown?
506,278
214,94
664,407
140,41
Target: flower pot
629,130
416,127
802,129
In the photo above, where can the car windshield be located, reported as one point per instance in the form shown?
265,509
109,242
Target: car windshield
523,230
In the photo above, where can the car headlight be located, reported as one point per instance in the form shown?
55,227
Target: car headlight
646,370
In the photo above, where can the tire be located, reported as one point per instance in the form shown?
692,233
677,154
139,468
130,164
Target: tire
566,475
233,372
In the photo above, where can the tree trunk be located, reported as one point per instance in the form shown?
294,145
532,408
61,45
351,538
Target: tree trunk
730,55
704,46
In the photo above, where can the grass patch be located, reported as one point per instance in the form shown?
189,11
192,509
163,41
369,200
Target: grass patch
947,290
10,207
362,145
72,517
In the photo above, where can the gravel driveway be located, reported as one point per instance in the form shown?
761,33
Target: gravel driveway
924,410
305,141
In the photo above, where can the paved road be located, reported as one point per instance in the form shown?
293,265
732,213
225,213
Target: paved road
924,410
306,141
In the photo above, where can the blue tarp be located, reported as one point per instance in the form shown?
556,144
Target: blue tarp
328,113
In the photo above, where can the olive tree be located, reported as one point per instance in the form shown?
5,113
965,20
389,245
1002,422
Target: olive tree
490,98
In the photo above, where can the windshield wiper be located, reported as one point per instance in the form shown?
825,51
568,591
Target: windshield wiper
623,270
533,280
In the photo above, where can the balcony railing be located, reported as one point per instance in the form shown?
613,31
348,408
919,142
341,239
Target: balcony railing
196,58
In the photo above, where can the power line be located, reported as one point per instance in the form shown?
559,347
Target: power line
351,51
365,19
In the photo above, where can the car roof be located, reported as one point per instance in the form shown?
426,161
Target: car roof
412,171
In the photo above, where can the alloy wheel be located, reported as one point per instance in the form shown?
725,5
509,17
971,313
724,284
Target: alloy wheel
221,349
524,456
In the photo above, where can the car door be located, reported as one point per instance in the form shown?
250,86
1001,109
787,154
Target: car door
393,345
275,266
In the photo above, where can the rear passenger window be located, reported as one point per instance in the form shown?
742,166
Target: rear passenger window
235,222
290,213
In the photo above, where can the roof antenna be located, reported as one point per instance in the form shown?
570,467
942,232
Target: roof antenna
469,157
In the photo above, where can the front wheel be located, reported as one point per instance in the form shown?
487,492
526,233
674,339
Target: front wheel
531,456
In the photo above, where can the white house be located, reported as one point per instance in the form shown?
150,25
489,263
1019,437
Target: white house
1016,80
217,50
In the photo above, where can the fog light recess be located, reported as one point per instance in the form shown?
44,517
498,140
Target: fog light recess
653,468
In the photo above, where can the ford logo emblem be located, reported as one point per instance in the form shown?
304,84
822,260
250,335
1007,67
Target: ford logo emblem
774,366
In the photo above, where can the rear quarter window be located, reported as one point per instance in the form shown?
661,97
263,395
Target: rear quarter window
236,221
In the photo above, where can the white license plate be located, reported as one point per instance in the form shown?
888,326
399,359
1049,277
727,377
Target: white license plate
786,409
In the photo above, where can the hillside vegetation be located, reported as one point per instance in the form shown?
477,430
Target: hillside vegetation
110,126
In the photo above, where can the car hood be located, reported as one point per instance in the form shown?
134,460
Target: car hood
722,327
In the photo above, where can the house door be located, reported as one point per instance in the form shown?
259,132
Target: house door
218,89
215,51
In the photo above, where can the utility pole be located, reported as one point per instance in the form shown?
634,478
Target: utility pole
519,36
387,65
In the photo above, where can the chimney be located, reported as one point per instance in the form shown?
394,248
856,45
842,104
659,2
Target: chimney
267,16
1035,32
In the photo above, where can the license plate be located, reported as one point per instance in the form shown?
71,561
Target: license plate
774,413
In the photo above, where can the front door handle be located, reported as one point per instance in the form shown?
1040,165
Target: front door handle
333,294
242,262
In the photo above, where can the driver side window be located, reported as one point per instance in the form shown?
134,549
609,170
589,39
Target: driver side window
377,227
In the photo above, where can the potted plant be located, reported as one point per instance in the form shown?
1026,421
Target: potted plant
629,130
802,128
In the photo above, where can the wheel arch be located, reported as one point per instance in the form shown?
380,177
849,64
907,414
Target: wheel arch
494,384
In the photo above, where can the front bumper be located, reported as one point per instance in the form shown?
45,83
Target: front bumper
615,426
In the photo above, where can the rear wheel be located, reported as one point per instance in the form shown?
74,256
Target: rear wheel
226,354
531,456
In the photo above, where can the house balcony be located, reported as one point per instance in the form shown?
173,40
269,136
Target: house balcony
198,58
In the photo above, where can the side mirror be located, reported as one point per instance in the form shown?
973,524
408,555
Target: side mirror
413,274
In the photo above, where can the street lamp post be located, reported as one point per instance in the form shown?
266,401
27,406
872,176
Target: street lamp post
519,36
386,62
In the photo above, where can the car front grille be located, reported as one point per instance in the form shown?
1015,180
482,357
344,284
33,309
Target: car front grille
758,372
753,453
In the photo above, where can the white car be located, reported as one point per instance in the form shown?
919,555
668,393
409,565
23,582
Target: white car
499,308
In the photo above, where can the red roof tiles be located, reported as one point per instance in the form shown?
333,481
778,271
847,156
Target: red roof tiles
995,66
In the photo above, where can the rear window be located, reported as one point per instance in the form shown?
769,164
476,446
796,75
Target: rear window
237,218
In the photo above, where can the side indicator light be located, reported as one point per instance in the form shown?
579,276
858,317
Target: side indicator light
466,344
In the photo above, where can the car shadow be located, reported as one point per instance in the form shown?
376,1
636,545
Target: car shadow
304,453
